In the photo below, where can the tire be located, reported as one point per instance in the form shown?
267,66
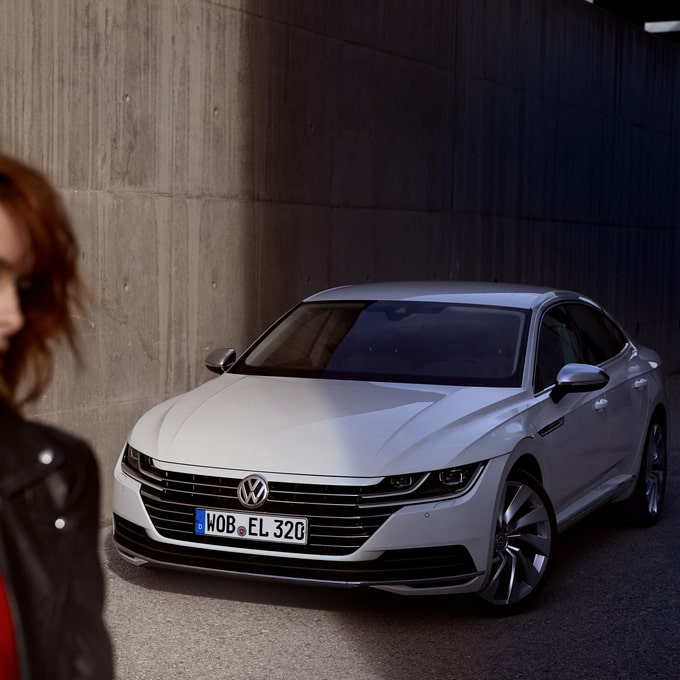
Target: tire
524,545
644,506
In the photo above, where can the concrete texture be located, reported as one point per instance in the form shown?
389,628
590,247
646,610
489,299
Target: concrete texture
223,158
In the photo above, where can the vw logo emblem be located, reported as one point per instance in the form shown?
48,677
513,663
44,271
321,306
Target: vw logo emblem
253,491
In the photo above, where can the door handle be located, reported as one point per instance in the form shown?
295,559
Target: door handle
600,405
640,384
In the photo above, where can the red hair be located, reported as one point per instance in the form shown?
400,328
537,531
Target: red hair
54,290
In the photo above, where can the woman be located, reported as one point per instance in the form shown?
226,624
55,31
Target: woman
51,586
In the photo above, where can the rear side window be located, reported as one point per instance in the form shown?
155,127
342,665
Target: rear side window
600,338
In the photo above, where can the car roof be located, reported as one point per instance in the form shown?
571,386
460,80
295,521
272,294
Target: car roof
467,292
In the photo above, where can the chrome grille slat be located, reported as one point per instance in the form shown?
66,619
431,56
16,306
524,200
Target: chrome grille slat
318,537
165,511
151,499
337,523
177,485
366,520
366,526
273,498
166,517
277,492
164,521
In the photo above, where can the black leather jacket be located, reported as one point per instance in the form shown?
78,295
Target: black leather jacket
49,527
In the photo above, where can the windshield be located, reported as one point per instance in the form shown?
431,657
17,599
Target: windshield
384,341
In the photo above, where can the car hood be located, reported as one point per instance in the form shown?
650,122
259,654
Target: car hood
318,427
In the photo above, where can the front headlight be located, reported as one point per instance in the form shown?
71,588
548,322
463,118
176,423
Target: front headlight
132,460
423,486
447,481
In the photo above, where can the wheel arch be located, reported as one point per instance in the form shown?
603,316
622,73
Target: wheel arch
528,463
659,413
522,459
541,548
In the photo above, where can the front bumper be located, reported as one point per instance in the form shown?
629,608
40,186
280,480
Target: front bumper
433,547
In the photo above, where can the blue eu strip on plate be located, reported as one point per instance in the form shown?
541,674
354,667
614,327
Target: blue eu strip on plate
200,521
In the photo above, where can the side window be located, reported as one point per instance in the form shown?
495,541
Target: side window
617,334
558,344
600,338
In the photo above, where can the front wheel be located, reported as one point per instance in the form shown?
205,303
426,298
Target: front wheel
523,545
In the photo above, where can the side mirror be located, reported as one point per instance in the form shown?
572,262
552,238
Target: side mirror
578,378
219,360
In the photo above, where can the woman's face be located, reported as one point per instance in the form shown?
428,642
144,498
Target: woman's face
14,263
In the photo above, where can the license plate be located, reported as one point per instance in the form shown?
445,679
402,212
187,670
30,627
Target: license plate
251,527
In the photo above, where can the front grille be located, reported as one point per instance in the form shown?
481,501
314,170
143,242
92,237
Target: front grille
341,518
415,566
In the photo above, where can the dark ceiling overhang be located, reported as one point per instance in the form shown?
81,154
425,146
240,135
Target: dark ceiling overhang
643,12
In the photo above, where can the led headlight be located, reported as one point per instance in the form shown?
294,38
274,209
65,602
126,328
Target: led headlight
438,483
132,459
450,480
455,477
400,482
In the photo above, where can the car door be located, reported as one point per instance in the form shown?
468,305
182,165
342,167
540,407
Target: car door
572,433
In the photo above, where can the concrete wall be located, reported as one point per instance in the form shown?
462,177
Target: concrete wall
221,159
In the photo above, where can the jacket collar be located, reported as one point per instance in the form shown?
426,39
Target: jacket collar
26,456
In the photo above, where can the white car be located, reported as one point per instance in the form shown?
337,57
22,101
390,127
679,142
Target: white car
422,438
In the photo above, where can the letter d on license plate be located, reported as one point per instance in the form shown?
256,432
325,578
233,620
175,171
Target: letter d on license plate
251,527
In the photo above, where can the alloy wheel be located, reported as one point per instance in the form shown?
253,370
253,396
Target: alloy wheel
523,543
655,470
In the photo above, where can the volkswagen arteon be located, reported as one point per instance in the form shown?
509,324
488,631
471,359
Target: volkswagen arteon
421,438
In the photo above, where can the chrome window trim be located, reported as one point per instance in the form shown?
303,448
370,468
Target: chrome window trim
628,344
